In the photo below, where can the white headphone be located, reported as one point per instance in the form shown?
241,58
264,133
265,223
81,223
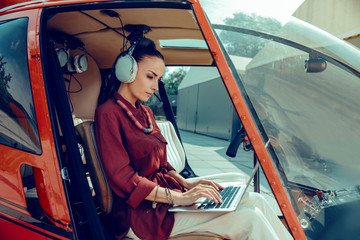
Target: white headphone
63,56
125,67
77,64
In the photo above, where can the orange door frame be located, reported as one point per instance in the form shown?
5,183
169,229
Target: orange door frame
249,125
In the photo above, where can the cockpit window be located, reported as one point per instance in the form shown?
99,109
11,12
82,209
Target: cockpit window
18,126
301,86
306,103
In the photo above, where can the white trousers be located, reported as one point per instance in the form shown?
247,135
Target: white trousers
253,220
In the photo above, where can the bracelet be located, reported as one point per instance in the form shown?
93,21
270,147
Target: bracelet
171,202
154,202
167,195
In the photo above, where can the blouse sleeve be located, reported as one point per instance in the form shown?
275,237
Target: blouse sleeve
122,178
169,167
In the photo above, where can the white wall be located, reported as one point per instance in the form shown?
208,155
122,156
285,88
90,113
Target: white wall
338,17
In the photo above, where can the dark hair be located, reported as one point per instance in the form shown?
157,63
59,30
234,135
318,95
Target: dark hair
146,47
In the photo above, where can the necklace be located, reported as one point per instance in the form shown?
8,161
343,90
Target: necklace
135,121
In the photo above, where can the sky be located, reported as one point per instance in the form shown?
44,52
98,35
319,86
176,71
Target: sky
217,10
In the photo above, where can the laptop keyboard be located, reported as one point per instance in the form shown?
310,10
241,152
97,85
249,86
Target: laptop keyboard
227,194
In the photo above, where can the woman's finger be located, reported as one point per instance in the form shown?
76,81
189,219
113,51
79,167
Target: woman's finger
216,185
207,191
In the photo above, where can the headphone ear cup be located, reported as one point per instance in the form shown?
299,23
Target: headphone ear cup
77,64
63,56
125,68
70,65
80,63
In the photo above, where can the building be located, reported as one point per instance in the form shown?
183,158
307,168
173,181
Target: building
194,102
340,18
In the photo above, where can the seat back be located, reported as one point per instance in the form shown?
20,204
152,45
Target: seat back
174,149
84,89
97,175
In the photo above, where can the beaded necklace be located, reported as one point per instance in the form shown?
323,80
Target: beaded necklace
135,121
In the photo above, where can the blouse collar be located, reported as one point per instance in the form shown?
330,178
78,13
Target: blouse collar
117,96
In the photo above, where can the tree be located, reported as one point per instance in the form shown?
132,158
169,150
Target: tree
172,80
4,85
247,45
4,79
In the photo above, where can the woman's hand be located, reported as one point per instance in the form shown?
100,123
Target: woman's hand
190,184
208,190
195,190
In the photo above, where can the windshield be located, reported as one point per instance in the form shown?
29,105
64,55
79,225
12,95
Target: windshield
302,87
310,114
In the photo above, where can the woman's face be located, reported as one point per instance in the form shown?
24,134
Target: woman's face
150,70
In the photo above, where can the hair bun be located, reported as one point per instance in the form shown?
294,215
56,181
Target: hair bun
145,43
145,47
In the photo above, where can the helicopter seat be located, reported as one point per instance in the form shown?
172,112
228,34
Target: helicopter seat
83,90
176,156
83,108
101,187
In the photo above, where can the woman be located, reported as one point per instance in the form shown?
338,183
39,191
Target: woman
145,185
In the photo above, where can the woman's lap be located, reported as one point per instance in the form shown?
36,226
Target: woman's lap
253,219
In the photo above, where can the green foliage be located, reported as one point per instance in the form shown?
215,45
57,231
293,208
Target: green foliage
4,79
172,80
254,22
4,85
247,45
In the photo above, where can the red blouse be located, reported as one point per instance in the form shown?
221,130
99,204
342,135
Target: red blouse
134,163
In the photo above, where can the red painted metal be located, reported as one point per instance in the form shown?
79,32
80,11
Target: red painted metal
9,226
46,169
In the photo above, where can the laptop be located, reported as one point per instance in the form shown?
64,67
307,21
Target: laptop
232,194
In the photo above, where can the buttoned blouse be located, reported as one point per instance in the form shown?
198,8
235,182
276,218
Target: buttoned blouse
134,163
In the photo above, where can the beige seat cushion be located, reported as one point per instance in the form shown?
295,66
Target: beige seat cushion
97,174
174,149
176,156
84,102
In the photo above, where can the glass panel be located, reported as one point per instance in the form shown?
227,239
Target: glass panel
304,94
18,120
171,78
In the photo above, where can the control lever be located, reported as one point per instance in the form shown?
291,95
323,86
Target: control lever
235,142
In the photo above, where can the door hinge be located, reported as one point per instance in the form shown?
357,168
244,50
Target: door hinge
64,174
